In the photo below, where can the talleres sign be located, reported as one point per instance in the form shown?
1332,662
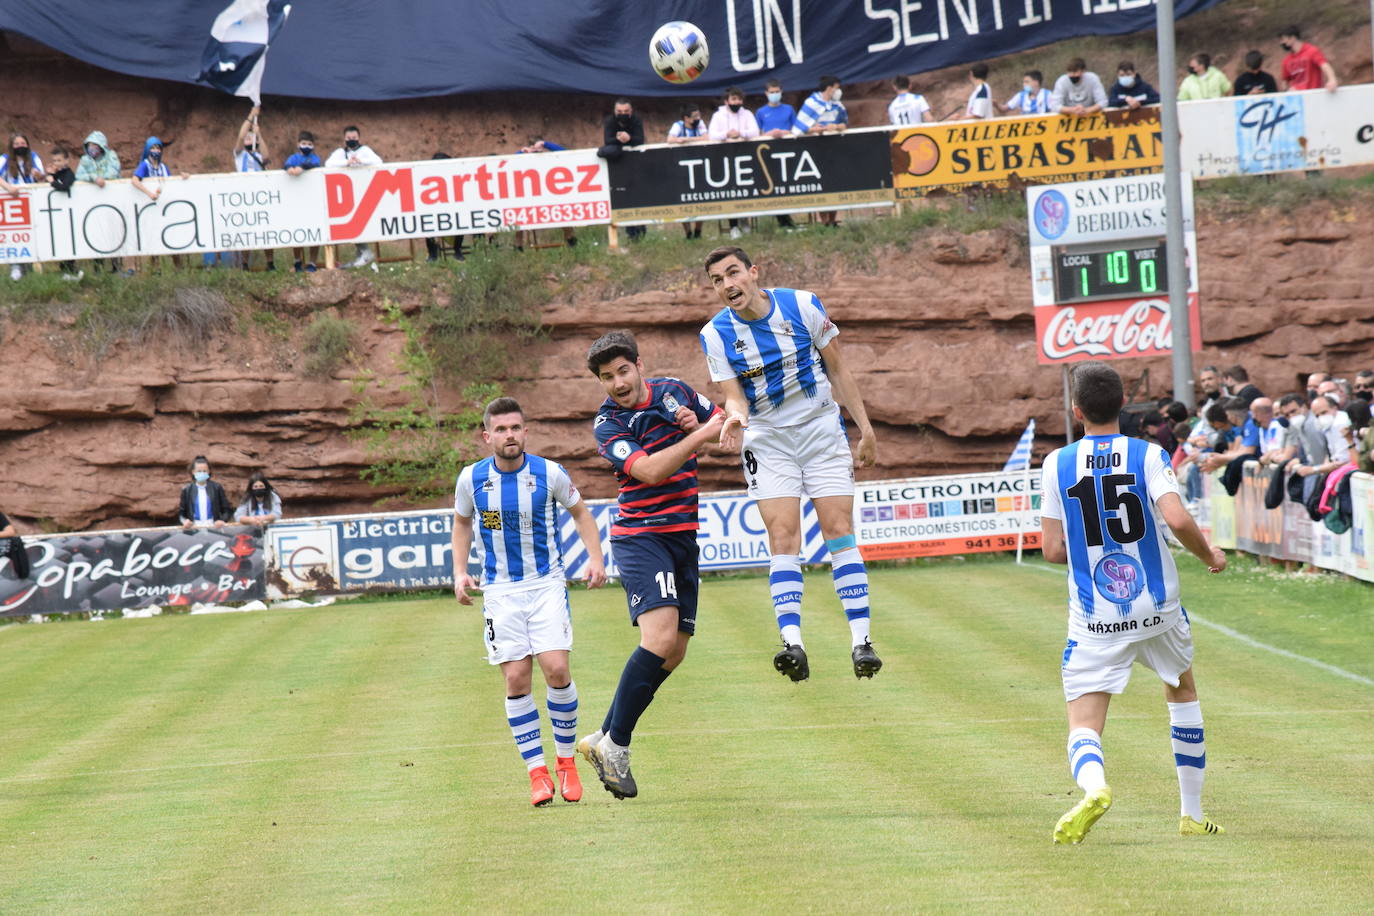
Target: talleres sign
1099,268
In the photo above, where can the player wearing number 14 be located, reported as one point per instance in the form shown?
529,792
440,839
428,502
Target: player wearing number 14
649,429
1103,500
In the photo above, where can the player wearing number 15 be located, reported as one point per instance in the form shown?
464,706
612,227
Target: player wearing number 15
649,429
1103,499
511,499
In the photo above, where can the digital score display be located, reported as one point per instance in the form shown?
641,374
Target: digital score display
1084,274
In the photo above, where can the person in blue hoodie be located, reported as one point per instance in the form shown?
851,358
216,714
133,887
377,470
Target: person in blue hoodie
151,173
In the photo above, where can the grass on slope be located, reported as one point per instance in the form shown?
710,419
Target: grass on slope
357,758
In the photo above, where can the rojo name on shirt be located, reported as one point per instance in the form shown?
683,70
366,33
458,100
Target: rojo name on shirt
776,358
1123,584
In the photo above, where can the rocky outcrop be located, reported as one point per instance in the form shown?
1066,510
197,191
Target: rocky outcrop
941,336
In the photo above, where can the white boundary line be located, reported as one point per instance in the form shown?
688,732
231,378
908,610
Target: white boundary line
1249,641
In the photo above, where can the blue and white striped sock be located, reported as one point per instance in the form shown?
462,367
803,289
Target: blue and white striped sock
562,703
1190,755
523,717
785,582
851,584
1085,759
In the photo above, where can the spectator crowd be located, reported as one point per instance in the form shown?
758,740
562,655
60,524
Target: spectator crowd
1077,91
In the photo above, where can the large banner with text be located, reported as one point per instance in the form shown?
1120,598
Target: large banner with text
107,570
752,177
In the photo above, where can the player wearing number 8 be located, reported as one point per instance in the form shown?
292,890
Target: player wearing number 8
1104,498
649,429
765,350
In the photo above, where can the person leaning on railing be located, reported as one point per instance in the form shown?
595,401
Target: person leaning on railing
261,503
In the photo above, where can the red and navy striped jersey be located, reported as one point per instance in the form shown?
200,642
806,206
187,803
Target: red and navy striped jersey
626,434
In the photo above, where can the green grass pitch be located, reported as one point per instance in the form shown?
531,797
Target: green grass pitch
356,758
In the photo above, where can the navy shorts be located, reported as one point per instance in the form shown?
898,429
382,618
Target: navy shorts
659,570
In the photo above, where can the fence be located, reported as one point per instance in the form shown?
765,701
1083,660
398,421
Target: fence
866,167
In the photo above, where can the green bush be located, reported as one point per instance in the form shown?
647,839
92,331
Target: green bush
326,343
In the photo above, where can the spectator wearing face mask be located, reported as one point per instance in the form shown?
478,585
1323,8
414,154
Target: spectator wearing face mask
689,128
1079,91
151,174
203,502
777,119
732,121
1364,385
298,163
1130,89
1304,66
1254,81
1333,424
1033,98
19,165
821,113
250,155
622,128
354,154
261,504
1203,80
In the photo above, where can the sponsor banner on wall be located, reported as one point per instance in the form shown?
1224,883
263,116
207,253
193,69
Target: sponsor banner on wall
1114,329
480,194
16,229
203,213
937,516
1103,211
108,570
1040,149
1279,132
754,177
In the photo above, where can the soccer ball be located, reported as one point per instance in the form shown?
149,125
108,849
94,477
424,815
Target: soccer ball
678,52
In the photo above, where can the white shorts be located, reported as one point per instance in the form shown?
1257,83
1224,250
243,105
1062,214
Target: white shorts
810,459
526,622
1105,667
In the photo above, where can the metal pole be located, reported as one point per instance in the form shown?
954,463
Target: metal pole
1173,202
1068,409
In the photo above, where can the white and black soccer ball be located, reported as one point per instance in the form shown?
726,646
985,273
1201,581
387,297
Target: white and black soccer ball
678,52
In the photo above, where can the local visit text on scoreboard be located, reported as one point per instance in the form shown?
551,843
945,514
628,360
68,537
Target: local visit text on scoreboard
1099,267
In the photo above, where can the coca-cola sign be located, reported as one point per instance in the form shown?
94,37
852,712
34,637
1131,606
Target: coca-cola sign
1109,330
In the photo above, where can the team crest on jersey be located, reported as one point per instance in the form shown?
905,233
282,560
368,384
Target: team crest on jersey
600,418
1119,578
670,402
740,345
491,519
786,328
531,484
488,485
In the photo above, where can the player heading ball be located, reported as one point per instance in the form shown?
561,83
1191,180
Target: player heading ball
782,400
1103,500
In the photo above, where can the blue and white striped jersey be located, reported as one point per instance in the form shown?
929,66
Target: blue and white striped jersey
1123,585
515,518
777,358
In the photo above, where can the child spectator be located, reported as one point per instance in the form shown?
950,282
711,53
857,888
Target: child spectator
1304,66
202,500
1033,98
1203,80
151,165
1255,81
261,504
60,177
98,165
979,105
1130,89
298,163
19,165
250,155
689,127
1078,91
354,154
907,107
775,119
822,112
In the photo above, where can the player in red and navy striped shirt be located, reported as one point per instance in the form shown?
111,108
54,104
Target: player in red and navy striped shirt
649,429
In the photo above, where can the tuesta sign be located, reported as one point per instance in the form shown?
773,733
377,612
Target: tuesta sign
1099,275
751,178
1011,152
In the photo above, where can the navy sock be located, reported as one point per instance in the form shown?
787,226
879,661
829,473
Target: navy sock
636,691
660,676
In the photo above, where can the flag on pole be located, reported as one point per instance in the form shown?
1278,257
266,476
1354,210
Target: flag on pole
236,54
1021,455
